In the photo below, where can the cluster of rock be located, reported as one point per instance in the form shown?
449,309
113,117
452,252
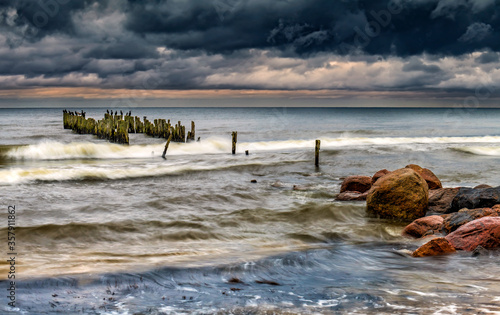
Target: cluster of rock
453,218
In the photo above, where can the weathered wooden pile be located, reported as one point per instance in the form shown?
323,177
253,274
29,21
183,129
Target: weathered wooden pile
116,128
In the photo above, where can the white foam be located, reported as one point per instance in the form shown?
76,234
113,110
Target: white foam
217,145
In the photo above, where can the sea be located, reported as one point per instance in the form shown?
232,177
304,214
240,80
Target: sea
102,228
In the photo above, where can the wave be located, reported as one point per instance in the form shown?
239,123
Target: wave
13,176
488,151
213,145
90,150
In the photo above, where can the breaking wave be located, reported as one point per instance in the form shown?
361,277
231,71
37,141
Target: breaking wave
214,145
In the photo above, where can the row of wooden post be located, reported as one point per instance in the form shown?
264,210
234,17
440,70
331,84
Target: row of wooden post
116,128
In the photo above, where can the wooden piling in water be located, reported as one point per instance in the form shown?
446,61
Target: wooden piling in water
166,147
316,152
122,132
235,139
191,134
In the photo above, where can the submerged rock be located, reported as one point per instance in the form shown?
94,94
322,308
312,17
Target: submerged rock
400,195
356,183
483,232
473,198
431,179
455,220
351,196
435,247
424,226
440,199
379,174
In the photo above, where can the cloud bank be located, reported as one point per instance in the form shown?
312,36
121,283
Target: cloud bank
355,45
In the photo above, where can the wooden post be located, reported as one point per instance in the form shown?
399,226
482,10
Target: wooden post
166,147
316,155
235,139
192,131
246,152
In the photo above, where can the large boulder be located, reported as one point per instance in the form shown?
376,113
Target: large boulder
436,246
483,232
424,226
455,220
427,175
440,200
379,174
472,198
356,183
401,195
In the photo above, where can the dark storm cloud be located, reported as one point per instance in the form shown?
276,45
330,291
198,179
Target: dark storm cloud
418,65
488,57
281,44
395,27
376,26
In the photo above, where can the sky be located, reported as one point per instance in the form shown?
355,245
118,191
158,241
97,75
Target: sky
250,52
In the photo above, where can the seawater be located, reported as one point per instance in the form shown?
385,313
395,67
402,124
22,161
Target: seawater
110,229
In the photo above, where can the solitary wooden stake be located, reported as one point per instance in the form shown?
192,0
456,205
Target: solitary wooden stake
316,157
166,147
235,139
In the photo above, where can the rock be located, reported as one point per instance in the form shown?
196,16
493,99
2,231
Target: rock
472,198
254,181
428,176
479,251
424,226
482,186
440,199
435,247
356,183
278,184
351,196
457,219
301,188
400,195
379,174
483,232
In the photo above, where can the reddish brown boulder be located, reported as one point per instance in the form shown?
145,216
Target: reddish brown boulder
400,195
356,183
440,199
455,220
379,174
428,175
435,247
497,209
424,226
483,232
351,196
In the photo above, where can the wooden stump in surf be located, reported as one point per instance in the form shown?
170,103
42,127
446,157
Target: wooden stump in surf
166,147
316,153
235,139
